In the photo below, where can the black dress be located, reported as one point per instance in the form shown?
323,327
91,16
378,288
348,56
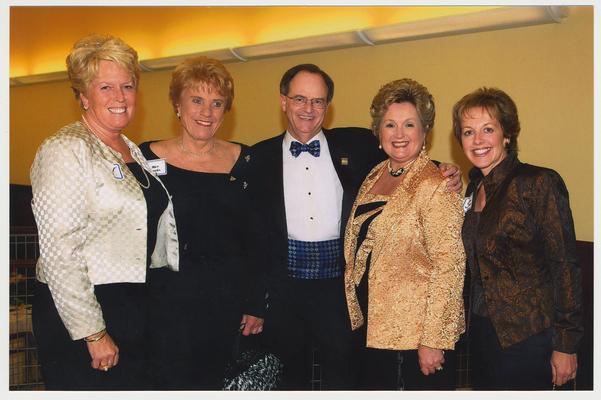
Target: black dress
195,313
66,364
383,369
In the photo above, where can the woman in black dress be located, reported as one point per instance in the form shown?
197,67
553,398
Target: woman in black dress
97,233
196,313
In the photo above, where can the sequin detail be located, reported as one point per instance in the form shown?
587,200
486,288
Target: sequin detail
417,263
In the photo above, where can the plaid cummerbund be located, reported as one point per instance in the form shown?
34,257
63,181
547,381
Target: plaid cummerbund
315,260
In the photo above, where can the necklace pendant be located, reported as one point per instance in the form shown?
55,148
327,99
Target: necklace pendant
395,173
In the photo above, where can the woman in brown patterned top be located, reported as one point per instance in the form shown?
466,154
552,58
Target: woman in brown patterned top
526,301
405,261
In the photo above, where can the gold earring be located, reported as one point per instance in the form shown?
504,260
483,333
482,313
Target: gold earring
424,146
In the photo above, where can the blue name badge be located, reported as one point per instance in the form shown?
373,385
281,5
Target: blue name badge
117,172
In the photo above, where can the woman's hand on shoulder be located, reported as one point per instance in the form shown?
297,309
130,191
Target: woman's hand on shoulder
563,367
430,359
104,352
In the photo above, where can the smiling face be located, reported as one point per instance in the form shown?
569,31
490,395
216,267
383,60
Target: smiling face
401,134
110,99
482,139
201,109
305,121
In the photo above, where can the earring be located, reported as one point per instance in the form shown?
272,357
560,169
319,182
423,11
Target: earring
424,146
85,108
177,113
380,146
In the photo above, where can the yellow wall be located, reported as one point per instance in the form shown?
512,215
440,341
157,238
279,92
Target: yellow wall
35,49
547,69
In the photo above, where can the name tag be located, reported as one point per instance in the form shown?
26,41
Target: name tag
158,166
467,203
117,173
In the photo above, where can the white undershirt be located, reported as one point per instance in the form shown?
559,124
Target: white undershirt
312,193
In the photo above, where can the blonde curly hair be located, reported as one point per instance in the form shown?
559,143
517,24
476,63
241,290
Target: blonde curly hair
201,70
83,63
400,91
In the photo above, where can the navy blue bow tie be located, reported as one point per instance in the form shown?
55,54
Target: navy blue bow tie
312,148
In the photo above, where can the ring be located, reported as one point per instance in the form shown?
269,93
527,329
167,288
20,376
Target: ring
438,368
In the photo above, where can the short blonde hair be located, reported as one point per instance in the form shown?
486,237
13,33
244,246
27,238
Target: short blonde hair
83,62
400,91
201,70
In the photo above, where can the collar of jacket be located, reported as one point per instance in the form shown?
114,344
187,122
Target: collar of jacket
496,176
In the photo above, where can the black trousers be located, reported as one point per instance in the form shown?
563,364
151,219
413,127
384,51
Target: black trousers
66,363
303,312
523,366
399,370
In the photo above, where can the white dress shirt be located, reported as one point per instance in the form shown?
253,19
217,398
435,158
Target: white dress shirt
312,193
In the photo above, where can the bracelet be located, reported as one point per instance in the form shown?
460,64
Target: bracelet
95,337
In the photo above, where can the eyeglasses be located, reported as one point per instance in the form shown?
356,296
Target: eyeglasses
300,101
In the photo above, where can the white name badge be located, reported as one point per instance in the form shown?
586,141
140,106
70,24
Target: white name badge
158,166
467,203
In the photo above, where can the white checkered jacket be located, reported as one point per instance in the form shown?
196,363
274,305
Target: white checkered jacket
91,218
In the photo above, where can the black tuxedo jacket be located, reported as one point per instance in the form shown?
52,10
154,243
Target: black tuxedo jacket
354,153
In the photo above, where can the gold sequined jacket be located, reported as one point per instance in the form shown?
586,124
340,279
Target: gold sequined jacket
415,279
91,218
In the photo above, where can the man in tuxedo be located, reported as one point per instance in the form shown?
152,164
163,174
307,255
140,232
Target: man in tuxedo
305,183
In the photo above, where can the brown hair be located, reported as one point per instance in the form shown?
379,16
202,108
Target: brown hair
498,104
311,68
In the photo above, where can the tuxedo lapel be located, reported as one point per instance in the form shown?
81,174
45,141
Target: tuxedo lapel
341,160
275,167
340,157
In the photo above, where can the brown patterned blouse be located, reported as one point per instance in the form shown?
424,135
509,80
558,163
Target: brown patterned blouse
525,249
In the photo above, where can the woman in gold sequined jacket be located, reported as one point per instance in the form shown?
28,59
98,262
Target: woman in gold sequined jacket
526,293
405,260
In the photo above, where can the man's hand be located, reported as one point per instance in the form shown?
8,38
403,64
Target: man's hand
452,172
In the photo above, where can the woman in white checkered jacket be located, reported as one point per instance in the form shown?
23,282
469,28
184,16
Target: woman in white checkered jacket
103,218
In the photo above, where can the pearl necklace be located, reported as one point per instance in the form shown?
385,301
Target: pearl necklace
400,171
